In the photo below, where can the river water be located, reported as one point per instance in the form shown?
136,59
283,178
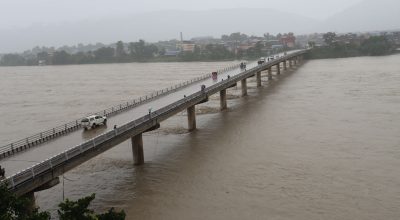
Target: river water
318,142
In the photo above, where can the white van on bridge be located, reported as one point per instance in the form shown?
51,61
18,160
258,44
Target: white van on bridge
93,121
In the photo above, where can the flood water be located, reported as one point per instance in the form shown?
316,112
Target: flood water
319,142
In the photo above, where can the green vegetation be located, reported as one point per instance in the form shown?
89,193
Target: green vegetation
14,208
132,52
372,46
229,47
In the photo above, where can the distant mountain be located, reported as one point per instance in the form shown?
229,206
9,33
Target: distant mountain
368,15
154,26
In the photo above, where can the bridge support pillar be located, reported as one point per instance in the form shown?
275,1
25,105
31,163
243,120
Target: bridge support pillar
244,87
284,65
258,76
222,95
137,149
278,68
269,73
191,113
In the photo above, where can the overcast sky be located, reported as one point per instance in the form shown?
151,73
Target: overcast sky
23,13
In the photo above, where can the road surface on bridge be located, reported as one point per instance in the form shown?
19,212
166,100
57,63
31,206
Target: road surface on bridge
21,161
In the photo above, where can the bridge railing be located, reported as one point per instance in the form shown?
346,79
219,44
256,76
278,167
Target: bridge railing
26,143
57,160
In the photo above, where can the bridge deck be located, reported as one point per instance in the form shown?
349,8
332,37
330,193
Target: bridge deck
37,154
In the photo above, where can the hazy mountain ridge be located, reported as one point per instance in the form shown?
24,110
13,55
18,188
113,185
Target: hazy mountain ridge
368,15
154,26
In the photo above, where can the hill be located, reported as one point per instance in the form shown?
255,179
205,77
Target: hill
368,15
154,26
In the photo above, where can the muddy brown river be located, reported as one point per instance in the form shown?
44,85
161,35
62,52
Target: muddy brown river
318,142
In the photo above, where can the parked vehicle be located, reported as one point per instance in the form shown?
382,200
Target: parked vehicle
261,61
93,121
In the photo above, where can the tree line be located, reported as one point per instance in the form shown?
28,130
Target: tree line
140,51
337,48
15,208
133,52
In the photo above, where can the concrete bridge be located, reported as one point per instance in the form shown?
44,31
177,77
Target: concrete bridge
71,148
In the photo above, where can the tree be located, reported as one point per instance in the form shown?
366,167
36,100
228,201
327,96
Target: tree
258,49
104,54
137,49
329,38
225,37
112,215
81,58
61,58
13,208
375,46
43,56
140,51
78,210
238,36
12,60
120,51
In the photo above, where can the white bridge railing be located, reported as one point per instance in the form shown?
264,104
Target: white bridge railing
144,122
26,143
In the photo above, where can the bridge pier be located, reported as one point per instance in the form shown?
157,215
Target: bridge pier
137,149
278,68
244,87
258,76
191,113
222,95
269,73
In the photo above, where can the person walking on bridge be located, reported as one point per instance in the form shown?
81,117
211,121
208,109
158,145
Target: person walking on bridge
2,173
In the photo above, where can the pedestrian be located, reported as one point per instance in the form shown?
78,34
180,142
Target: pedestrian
203,88
115,126
2,173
